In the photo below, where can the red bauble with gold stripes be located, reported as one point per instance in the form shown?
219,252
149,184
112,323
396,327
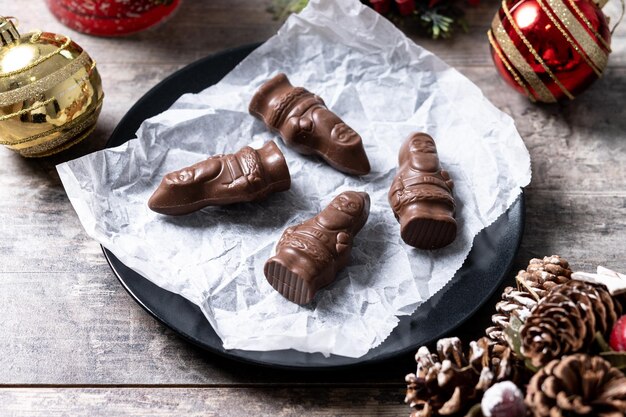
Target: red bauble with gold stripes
550,50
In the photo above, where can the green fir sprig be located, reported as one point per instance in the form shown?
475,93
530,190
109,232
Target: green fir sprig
283,8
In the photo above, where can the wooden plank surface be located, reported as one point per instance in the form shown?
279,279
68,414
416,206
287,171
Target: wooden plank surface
203,402
70,336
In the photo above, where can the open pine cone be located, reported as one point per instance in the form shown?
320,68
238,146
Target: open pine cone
514,302
576,386
566,321
449,381
544,274
533,284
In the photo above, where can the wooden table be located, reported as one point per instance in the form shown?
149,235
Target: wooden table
73,343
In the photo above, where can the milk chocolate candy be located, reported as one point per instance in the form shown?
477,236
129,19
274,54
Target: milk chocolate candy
421,195
247,175
305,124
309,255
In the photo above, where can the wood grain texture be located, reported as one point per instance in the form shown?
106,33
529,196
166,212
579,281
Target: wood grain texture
66,320
203,402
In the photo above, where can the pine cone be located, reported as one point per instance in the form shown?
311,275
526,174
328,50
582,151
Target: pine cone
544,274
449,382
605,309
514,302
533,284
577,385
566,321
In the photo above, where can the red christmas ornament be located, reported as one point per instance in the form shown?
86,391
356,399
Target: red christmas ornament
550,50
381,6
618,335
111,17
405,7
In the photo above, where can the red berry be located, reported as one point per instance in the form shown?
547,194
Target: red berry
618,335
503,399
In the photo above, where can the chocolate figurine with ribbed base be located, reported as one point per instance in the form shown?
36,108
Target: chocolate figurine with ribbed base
309,255
247,175
305,124
421,195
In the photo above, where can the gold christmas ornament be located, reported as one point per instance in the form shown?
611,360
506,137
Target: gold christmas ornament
50,92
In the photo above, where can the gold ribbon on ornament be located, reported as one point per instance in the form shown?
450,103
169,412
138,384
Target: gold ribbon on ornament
83,81
70,129
64,146
39,60
532,50
44,84
36,105
591,52
593,30
519,62
506,63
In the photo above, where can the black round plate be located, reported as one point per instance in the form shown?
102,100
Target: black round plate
483,271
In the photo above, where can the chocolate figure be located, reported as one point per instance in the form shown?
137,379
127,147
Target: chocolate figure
421,195
309,255
247,175
305,123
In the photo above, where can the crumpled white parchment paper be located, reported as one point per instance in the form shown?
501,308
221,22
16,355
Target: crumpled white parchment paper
381,84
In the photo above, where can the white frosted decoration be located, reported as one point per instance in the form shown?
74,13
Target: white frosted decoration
614,282
385,87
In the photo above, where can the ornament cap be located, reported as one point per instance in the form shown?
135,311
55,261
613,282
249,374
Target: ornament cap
8,31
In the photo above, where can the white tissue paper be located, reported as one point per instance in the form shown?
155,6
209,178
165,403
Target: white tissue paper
385,87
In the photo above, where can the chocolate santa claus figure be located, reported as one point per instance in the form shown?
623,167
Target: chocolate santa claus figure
421,195
247,175
310,254
305,124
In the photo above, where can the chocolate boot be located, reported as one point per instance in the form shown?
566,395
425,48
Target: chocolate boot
309,255
247,175
305,123
421,195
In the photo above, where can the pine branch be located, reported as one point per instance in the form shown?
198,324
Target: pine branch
438,20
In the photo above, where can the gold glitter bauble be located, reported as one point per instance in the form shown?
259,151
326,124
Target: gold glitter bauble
50,92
